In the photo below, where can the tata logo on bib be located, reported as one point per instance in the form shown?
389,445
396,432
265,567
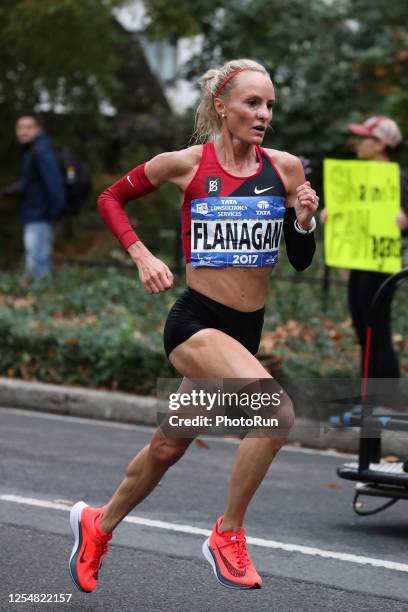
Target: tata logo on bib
213,185
263,211
202,207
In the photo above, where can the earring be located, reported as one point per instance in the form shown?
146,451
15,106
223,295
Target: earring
223,116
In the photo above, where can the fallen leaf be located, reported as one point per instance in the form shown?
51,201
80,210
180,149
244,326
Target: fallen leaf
71,342
23,302
398,340
334,485
335,335
138,334
57,316
309,334
201,443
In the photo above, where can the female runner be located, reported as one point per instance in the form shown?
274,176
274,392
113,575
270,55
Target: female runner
236,198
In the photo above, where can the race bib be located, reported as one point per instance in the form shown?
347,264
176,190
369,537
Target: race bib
240,231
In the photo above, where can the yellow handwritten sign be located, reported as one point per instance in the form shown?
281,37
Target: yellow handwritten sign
362,200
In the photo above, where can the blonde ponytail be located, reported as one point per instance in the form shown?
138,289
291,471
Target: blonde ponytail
207,120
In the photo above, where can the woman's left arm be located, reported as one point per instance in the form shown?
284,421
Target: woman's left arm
301,205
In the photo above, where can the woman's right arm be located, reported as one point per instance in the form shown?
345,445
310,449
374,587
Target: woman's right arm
167,167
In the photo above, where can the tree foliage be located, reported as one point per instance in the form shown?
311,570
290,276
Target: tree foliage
331,61
61,52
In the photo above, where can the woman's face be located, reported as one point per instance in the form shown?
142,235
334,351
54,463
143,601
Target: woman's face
368,147
248,106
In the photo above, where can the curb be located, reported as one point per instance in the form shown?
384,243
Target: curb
142,410
77,401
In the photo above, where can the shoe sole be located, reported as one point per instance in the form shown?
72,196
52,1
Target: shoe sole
224,581
75,522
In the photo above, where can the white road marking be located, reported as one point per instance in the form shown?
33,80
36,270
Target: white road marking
131,426
190,529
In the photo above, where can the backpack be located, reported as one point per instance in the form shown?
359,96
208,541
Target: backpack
78,187
77,179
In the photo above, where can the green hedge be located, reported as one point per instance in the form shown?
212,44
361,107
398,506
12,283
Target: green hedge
99,332
98,328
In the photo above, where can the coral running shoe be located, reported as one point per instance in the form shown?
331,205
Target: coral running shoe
227,553
90,548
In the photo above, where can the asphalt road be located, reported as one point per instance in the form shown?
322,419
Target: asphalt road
302,510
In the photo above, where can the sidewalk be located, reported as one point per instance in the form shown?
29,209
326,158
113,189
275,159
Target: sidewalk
142,410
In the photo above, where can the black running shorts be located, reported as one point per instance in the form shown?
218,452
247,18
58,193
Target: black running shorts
194,311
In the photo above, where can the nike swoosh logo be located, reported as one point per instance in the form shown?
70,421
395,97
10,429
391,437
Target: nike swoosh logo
130,180
232,570
81,559
258,191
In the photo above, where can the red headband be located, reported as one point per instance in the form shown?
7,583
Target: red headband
228,78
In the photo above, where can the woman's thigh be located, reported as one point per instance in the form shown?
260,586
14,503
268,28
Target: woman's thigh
210,353
213,354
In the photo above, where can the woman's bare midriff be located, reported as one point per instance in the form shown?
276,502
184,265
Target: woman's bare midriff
244,289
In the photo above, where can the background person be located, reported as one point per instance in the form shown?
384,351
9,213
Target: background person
42,191
375,140
214,328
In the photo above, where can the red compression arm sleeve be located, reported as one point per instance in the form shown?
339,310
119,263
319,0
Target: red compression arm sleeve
134,184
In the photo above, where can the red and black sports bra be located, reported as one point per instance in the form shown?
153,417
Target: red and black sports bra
227,220
230,220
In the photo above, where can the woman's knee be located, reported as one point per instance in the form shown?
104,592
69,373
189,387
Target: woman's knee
283,411
285,416
167,451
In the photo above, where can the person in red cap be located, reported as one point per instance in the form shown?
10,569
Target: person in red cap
376,140
380,131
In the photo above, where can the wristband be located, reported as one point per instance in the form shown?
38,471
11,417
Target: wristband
300,229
